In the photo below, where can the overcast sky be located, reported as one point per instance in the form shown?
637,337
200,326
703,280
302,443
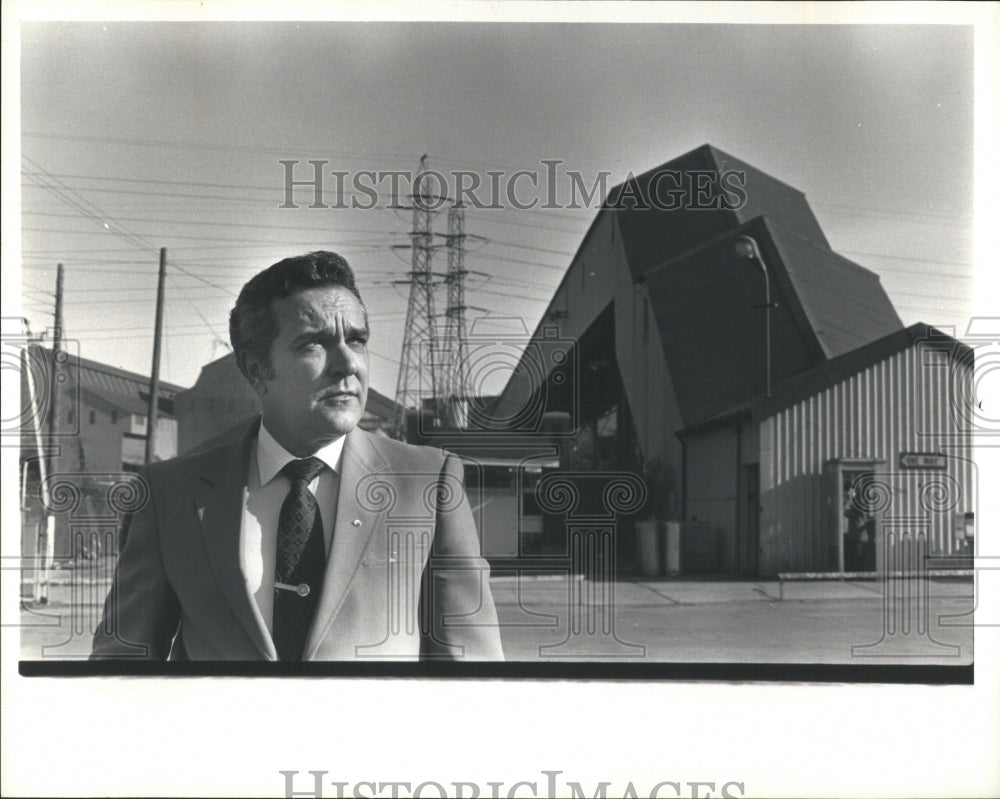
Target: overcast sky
137,136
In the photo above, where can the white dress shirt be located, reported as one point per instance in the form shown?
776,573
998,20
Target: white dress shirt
267,488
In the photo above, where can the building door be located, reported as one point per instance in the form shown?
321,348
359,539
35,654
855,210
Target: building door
749,543
851,525
857,523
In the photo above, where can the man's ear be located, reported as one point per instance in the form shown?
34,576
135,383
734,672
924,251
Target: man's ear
256,372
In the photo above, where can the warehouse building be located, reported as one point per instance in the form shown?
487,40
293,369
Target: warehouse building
789,483
723,350
97,437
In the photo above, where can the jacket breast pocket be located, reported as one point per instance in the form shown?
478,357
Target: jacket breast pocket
401,547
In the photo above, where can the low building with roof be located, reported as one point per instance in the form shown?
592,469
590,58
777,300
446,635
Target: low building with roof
95,440
871,443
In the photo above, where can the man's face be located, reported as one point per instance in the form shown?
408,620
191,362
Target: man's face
318,383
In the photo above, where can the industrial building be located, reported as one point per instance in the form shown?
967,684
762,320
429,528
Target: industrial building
873,432
96,438
761,383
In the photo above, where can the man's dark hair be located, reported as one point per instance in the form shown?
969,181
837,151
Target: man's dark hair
252,326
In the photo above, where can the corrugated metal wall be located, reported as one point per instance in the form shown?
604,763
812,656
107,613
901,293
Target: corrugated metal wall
901,404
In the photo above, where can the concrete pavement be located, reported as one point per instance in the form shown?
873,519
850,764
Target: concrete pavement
675,620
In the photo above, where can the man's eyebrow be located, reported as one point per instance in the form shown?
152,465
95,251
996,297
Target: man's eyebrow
311,333
311,317
350,327
318,327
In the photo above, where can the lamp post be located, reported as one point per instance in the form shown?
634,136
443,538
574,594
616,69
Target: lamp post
746,247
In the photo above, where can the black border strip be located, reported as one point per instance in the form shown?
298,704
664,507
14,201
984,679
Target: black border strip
712,672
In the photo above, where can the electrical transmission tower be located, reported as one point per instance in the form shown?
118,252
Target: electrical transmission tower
418,380
455,366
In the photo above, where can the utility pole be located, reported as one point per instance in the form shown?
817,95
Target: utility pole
56,348
154,377
47,535
419,329
37,425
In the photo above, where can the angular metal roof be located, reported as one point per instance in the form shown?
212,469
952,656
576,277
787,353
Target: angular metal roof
678,227
811,381
658,232
708,303
844,302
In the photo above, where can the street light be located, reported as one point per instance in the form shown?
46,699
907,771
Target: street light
746,247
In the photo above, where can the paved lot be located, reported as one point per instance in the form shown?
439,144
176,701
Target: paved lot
557,618
699,621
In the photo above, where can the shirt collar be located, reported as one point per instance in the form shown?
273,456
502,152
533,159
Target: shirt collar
272,457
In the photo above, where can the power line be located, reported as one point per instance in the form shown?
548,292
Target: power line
196,145
269,245
75,200
519,261
870,211
225,198
186,237
905,258
203,280
311,229
172,221
193,307
532,297
489,218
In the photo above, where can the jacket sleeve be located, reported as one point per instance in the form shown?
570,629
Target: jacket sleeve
459,618
141,613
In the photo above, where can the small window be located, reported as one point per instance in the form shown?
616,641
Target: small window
93,417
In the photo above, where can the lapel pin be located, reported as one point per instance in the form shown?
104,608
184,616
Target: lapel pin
356,522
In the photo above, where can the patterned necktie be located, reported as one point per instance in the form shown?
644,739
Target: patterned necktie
300,560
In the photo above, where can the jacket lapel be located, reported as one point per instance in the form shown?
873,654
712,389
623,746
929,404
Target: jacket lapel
359,459
220,497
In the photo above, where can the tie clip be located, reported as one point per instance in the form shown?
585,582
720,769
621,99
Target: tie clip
301,589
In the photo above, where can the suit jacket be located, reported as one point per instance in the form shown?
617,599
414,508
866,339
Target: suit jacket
404,579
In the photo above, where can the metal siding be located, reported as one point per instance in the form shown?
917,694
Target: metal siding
900,404
767,480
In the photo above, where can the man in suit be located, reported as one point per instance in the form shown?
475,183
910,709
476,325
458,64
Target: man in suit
306,538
